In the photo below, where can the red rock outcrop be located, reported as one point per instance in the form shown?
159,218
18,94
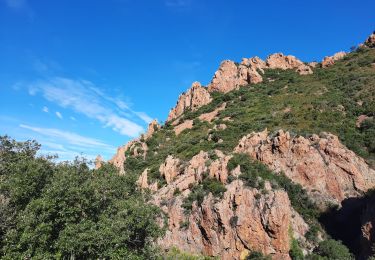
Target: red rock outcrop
212,115
98,161
143,182
370,42
188,124
228,77
152,127
322,165
330,60
242,221
170,168
281,61
194,98
231,76
134,147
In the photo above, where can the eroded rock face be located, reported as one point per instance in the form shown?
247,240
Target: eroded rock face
231,76
244,219
188,124
152,127
330,60
227,78
281,61
322,165
98,162
134,147
170,168
142,182
212,115
194,98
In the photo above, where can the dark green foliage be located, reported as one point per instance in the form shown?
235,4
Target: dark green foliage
233,221
257,256
67,210
295,251
331,249
198,192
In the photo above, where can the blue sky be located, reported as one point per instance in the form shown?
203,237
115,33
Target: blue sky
83,77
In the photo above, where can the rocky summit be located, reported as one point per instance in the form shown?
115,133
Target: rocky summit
265,159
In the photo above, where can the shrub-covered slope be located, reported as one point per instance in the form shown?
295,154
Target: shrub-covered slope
339,99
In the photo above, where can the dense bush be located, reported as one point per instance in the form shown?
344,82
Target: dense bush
295,251
67,210
331,249
255,255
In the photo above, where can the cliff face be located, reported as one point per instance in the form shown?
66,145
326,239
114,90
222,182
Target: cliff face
243,220
322,165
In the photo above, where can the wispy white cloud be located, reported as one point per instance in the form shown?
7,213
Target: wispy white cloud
45,109
69,138
73,118
59,115
83,97
144,117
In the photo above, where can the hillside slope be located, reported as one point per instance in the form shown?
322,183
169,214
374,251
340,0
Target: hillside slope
251,162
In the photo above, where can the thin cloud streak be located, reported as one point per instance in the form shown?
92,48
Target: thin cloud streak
83,97
69,137
59,115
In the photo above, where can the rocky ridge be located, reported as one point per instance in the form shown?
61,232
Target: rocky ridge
328,170
231,75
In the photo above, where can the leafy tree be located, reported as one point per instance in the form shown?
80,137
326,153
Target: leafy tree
67,210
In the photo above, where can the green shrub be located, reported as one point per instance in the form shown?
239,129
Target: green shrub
199,191
331,249
255,255
295,251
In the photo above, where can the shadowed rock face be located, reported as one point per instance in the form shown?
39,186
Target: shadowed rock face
322,165
367,238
